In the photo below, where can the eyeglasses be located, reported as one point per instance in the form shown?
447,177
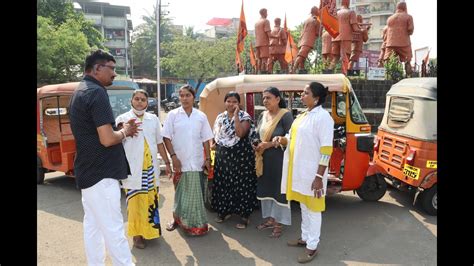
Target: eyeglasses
111,67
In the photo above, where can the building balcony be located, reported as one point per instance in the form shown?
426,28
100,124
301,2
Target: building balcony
95,18
115,44
115,22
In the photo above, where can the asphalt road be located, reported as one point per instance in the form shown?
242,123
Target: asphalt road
390,231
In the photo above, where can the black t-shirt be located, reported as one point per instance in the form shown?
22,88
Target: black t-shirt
89,109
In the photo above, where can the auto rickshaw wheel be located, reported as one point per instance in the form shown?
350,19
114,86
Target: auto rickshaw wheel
39,171
429,200
40,175
373,188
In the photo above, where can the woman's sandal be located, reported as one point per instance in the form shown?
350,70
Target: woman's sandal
171,226
265,225
243,223
220,219
277,231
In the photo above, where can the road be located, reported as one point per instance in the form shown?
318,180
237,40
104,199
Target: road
390,231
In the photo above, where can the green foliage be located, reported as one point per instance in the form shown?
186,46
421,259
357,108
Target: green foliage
195,59
59,11
393,68
60,51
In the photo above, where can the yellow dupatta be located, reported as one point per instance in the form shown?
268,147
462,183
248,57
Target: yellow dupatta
266,138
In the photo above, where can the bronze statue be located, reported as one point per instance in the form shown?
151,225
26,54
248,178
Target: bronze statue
262,41
326,49
278,39
382,48
357,43
308,37
342,43
399,28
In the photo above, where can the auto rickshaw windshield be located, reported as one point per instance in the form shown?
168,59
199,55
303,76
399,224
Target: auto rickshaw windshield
357,115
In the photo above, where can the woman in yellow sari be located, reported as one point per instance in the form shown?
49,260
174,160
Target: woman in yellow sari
142,186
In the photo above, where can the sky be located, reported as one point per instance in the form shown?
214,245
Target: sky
198,13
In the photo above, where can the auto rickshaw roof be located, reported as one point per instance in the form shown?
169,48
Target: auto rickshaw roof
415,87
68,88
56,89
284,82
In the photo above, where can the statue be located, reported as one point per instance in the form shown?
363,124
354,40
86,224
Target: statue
278,39
308,37
399,28
326,49
382,48
262,41
341,45
363,36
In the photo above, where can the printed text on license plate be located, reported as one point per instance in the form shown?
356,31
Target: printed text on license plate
411,171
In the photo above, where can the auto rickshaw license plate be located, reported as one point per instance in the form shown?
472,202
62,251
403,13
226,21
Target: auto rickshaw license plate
411,171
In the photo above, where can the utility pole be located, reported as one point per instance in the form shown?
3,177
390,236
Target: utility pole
158,12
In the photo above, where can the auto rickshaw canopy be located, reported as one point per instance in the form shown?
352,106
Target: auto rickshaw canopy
411,109
212,97
56,89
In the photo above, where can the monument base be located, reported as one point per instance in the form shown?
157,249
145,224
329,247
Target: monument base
328,71
301,71
353,72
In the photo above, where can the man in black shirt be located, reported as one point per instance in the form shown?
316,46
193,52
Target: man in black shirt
100,161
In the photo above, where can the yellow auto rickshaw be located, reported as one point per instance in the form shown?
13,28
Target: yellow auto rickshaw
405,150
353,141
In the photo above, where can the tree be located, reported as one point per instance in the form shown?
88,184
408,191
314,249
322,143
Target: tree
144,44
60,51
59,11
199,60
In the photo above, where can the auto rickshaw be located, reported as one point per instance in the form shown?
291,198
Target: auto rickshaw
405,148
353,141
56,146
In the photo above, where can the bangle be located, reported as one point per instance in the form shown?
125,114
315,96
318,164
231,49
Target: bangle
123,133
320,176
171,155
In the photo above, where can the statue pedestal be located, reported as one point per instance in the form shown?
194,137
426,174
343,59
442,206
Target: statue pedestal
328,71
301,71
353,72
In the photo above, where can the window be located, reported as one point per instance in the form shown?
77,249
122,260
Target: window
341,104
400,111
357,115
383,20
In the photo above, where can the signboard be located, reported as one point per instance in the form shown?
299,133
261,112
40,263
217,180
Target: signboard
376,73
369,58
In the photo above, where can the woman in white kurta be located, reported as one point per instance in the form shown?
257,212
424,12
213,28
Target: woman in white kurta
305,162
142,186
186,133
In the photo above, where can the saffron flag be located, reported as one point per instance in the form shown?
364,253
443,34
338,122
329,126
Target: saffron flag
240,67
427,57
253,60
328,17
291,48
242,30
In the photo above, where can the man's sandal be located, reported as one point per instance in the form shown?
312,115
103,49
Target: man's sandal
265,225
307,257
243,223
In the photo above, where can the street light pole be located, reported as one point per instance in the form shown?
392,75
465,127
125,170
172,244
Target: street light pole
158,7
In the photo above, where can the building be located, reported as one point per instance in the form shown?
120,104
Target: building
115,24
377,13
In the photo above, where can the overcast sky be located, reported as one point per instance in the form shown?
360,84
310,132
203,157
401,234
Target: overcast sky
198,13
